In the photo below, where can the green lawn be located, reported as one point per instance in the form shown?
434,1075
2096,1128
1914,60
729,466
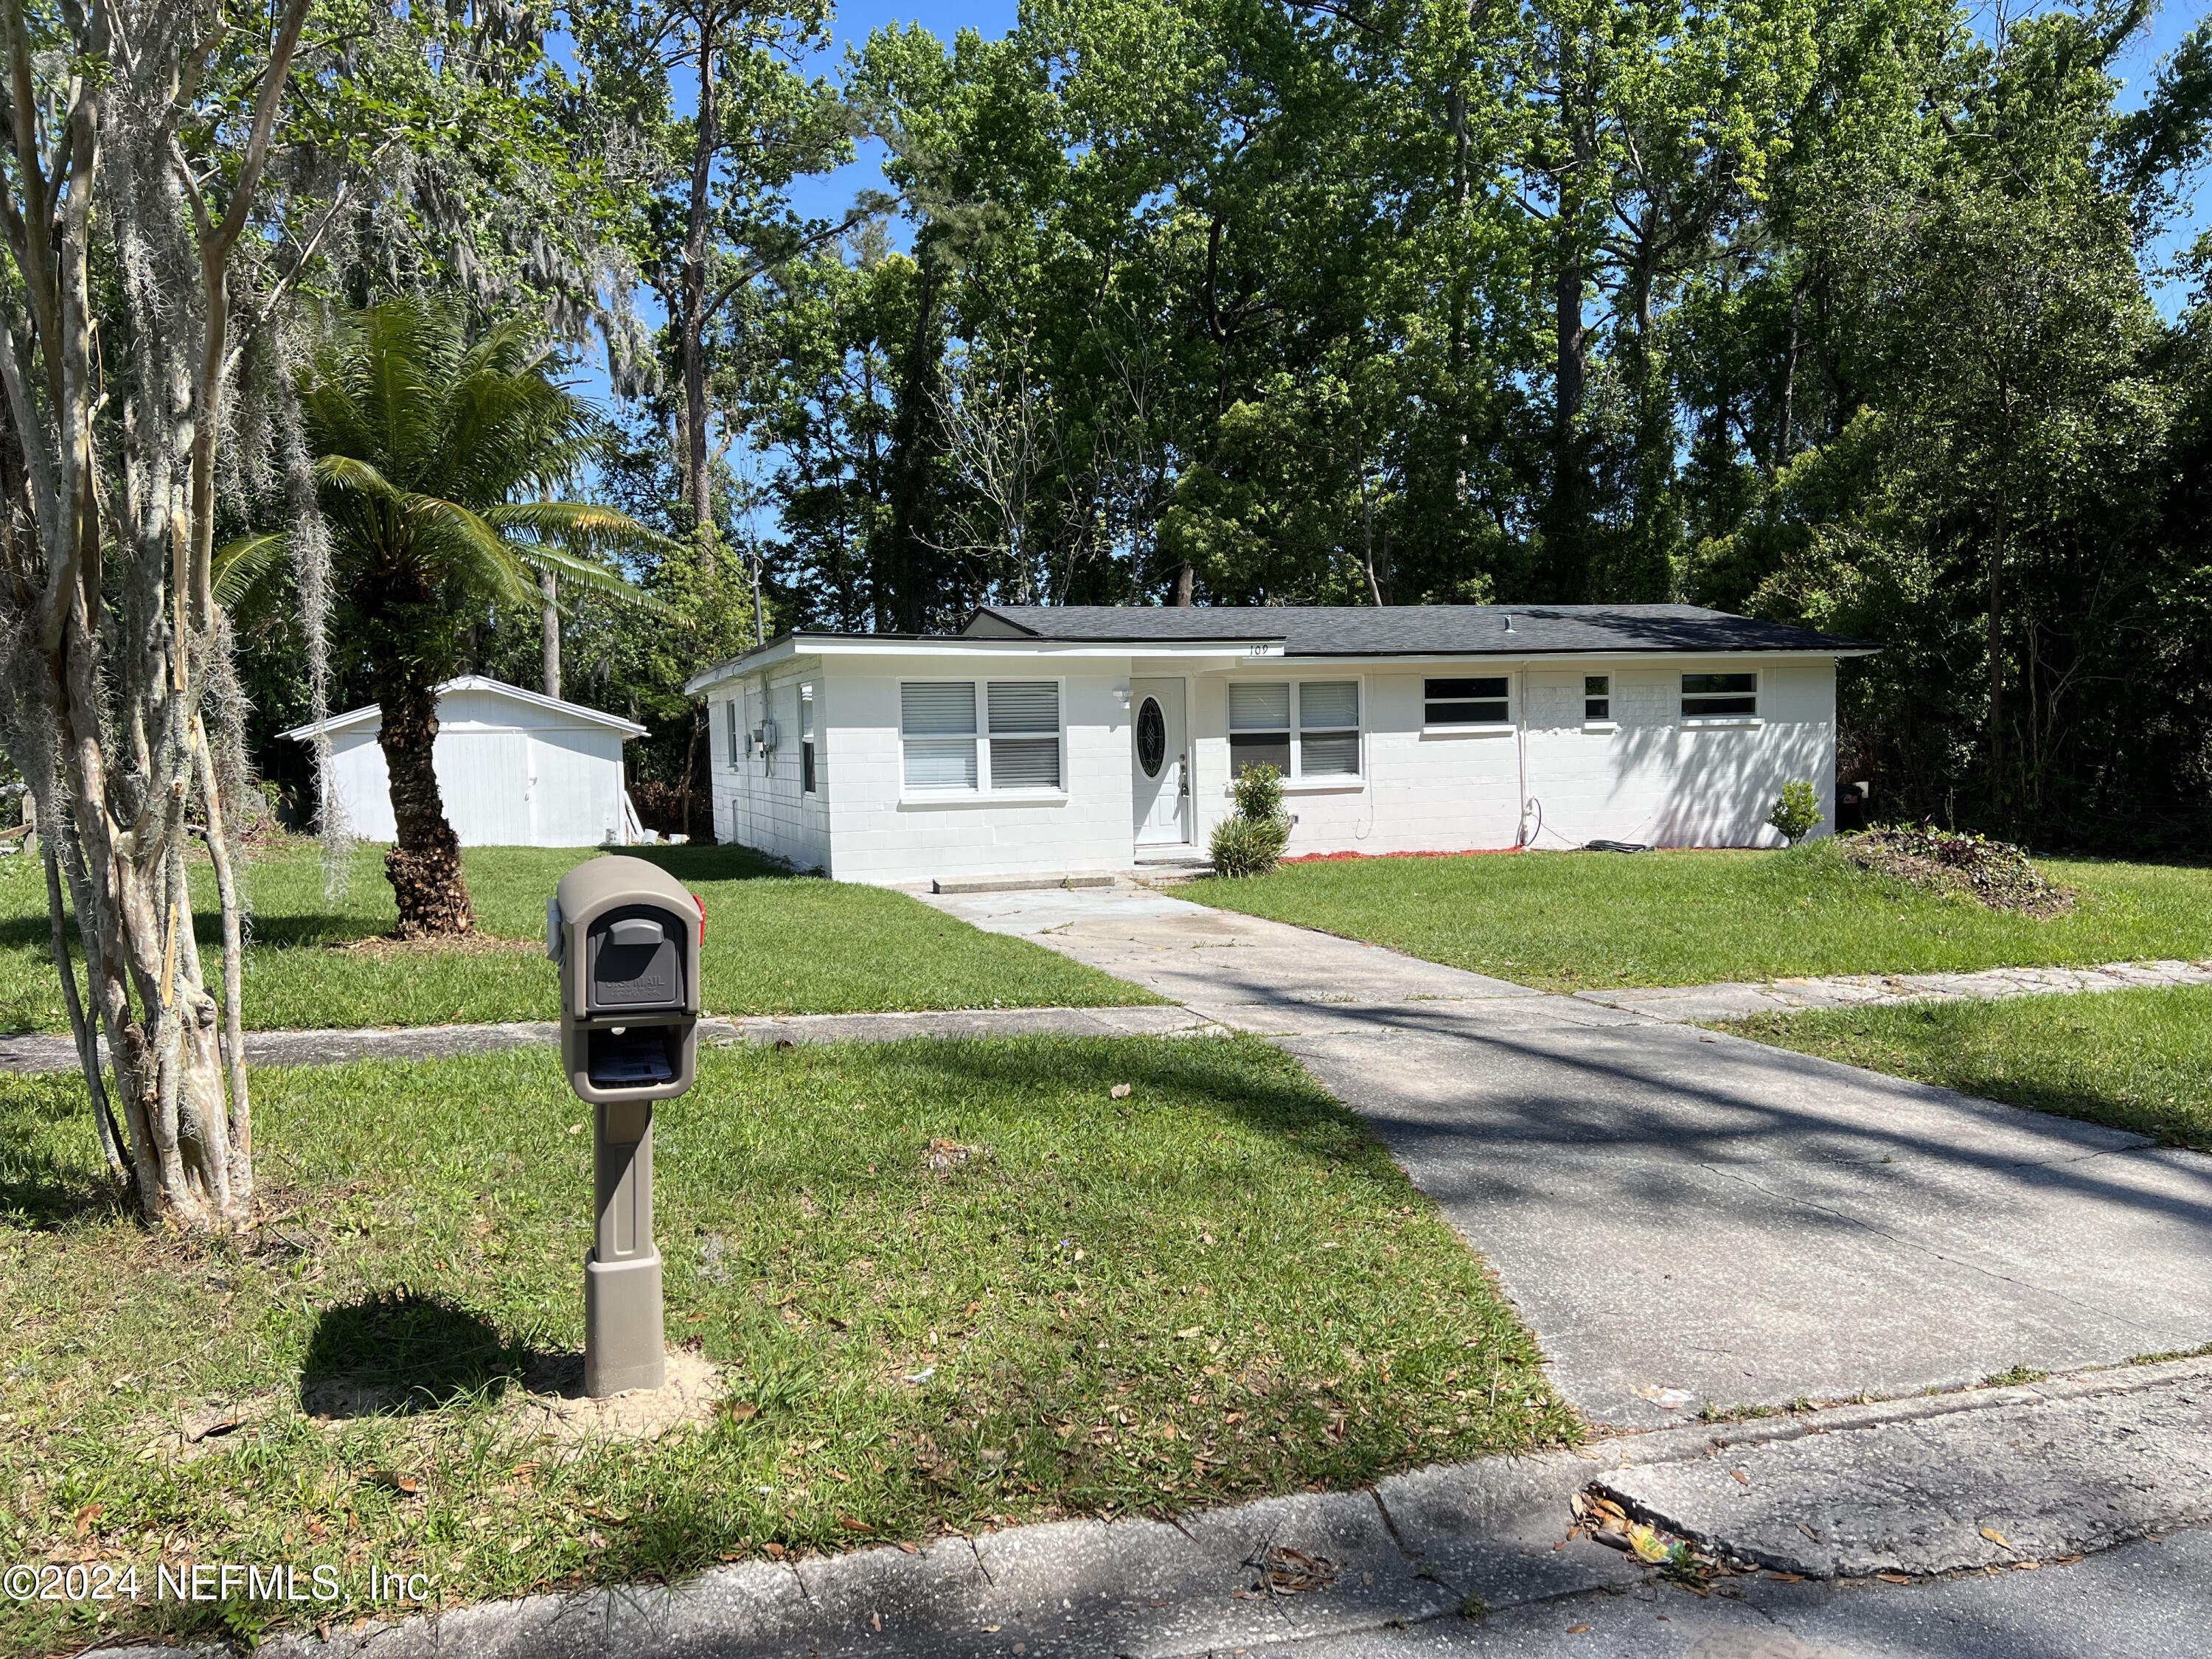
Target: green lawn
775,944
2137,1060
1218,1286
1576,921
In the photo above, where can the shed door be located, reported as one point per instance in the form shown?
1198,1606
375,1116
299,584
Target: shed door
1159,755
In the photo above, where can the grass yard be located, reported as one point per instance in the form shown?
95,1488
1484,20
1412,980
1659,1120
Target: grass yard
1216,1287
2137,1060
776,944
1582,922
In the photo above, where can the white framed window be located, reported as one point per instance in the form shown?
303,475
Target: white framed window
1321,743
1024,736
937,726
1016,744
1597,699
1723,697
1260,725
807,739
1328,728
1483,700
733,725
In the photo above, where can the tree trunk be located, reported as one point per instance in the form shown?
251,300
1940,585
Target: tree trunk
1567,555
911,447
698,477
424,865
110,665
549,622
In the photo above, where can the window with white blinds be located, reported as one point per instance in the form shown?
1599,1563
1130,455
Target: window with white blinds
1260,724
1324,743
1016,744
1024,718
937,723
1328,729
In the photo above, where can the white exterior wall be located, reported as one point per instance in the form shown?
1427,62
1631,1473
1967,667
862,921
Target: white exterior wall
1650,778
1660,780
759,801
862,825
1644,776
510,775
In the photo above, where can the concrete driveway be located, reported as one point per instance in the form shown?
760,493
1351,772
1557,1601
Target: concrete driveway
1684,1218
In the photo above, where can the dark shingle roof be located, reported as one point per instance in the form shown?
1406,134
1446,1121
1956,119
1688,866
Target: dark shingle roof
1417,629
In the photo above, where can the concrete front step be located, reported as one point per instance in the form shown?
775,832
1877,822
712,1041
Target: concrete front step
1020,884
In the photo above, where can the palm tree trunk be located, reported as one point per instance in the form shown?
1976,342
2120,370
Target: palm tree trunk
424,865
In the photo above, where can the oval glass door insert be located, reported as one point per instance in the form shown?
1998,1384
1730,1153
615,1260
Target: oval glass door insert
1152,738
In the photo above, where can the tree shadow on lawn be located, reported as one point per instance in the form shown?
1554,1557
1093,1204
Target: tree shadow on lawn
51,1172
395,1352
708,863
2115,1109
1252,1084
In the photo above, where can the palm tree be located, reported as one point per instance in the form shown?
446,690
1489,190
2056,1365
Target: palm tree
428,447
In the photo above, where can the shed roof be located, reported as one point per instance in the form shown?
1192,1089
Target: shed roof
1417,629
573,714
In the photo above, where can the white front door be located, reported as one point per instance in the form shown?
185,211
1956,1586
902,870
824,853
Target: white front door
1159,752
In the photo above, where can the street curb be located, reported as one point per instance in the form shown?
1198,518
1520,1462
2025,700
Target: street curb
1415,1548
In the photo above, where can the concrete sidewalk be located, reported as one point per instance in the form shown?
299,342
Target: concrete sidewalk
1684,1218
26,1055
1791,996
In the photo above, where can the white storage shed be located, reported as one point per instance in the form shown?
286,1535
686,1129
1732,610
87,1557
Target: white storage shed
515,769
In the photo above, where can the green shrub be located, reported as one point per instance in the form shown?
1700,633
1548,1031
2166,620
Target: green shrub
1259,793
1251,843
1249,847
1797,814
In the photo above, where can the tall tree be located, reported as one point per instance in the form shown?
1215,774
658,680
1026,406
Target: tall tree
139,131
712,213
434,453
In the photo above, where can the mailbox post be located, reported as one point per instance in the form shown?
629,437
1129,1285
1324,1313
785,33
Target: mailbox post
625,936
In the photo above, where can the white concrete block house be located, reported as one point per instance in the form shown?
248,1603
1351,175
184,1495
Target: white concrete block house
1056,740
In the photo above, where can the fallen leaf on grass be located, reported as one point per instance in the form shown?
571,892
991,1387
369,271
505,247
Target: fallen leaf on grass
946,1156
1119,1092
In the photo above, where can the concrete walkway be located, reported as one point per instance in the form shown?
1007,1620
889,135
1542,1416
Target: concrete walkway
1684,1218
1788,996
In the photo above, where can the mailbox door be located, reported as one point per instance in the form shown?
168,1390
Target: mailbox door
634,959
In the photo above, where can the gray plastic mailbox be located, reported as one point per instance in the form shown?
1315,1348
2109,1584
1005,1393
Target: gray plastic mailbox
625,936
